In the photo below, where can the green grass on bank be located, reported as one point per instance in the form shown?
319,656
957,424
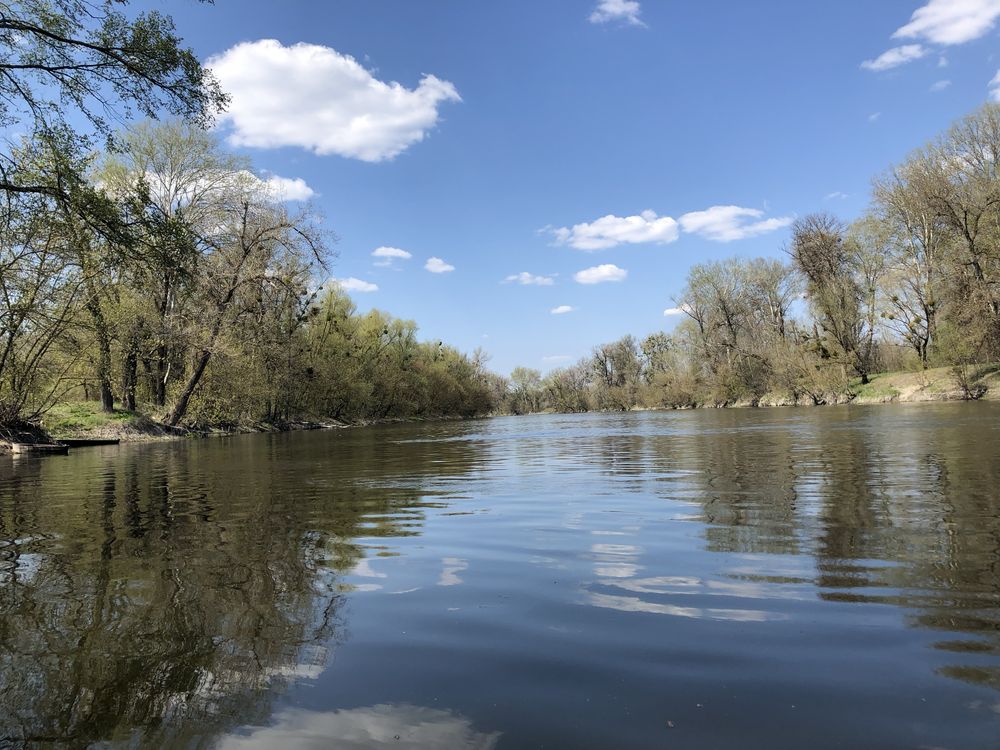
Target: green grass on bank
878,388
82,416
931,384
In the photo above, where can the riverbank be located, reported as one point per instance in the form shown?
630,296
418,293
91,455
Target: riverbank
970,383
934,385
83,420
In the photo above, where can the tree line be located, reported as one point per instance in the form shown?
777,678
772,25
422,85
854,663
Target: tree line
149,268
185,285
913,283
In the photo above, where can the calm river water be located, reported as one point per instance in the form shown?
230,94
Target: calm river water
781,578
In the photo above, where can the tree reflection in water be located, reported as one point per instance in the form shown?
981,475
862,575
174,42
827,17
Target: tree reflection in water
165,594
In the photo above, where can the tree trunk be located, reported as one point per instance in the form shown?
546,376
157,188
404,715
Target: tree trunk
160,377
130,374
103,348
180,408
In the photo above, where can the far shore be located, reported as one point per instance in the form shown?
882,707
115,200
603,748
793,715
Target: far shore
83,420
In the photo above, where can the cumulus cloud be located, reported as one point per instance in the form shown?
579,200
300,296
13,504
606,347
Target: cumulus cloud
940,85
728,223
351,284
562,309
950,22
391,252
316,98
719,223
387,255
939,22
895,57
600,274
671,311
288,188
611,231
529,279
436,265
625,11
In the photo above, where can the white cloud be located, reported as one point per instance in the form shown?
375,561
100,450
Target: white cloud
316,98
562,309
436,265
951,21
626,11
728,223
671,311
836,195
940,85
391,252
600,274
528,279
873,117
288,188
387,255
719,223
556,358
995,87
351,284
611,231
895,57
942,62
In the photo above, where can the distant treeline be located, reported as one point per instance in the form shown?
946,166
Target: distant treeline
913,283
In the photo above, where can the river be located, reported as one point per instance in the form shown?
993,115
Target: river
774,578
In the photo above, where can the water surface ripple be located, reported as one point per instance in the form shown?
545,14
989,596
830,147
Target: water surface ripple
779,578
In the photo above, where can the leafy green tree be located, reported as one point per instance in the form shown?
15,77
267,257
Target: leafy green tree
57,56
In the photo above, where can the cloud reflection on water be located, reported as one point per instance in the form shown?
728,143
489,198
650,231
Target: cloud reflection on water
401,727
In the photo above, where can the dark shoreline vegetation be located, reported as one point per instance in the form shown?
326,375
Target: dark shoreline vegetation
158,278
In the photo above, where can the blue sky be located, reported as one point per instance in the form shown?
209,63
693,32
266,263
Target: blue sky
513,127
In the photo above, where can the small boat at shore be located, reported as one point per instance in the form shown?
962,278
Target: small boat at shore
87,442
46,448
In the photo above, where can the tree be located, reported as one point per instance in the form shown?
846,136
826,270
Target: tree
39,292
957,178
656,350
840,288
566,388
916,238
180,174
617,372
526,390
87,55
255,243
